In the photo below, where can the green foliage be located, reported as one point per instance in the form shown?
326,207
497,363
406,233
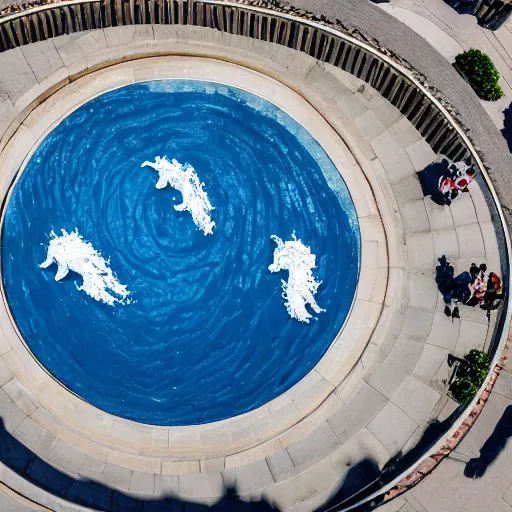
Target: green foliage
464,390
470,376
480,72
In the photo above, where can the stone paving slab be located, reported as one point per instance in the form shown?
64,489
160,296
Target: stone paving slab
312,449
357,413
10,504
430,361
20,77
421,154
416,399
393,427
407,189
393,157
420,250
446,243
423,293
66,457
438,217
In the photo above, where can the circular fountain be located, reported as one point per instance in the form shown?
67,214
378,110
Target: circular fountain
149,294
369,380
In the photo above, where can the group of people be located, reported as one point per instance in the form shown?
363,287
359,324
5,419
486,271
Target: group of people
476,287
444,181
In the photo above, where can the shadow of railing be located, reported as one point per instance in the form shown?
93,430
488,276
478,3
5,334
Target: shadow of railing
491,14
359,477
461,7
394,467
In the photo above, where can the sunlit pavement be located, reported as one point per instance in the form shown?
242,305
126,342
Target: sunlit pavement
451,33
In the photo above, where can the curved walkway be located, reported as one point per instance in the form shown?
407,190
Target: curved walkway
444,43
451,33
368,396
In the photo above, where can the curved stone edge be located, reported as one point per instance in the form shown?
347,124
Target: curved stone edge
250,459
318,40
471,412
30,495
448,441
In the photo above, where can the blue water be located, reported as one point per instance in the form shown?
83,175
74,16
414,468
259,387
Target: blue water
207,336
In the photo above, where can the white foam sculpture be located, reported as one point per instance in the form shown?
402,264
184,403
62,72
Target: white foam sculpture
71,252
184,179
301,287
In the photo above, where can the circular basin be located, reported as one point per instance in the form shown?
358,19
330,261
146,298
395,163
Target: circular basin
194,327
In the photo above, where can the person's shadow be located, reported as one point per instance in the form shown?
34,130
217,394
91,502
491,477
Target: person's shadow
507,126
476,468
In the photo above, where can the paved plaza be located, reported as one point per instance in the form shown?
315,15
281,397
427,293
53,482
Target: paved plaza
453,485
380,386
476,477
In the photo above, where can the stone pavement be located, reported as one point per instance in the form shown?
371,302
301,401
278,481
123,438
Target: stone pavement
484,455
451,33
12,502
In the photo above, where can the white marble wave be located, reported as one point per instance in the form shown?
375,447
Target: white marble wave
302,286
71,252
184,179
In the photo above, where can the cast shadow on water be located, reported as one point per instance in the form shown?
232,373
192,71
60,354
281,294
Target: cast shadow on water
361,479
495,443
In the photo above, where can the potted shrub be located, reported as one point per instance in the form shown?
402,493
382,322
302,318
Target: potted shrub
470,376
479,71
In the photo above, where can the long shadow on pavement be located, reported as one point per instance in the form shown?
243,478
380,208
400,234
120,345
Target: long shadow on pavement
358,477
507,126
362,479
100,497
490,450
20,459
371,479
